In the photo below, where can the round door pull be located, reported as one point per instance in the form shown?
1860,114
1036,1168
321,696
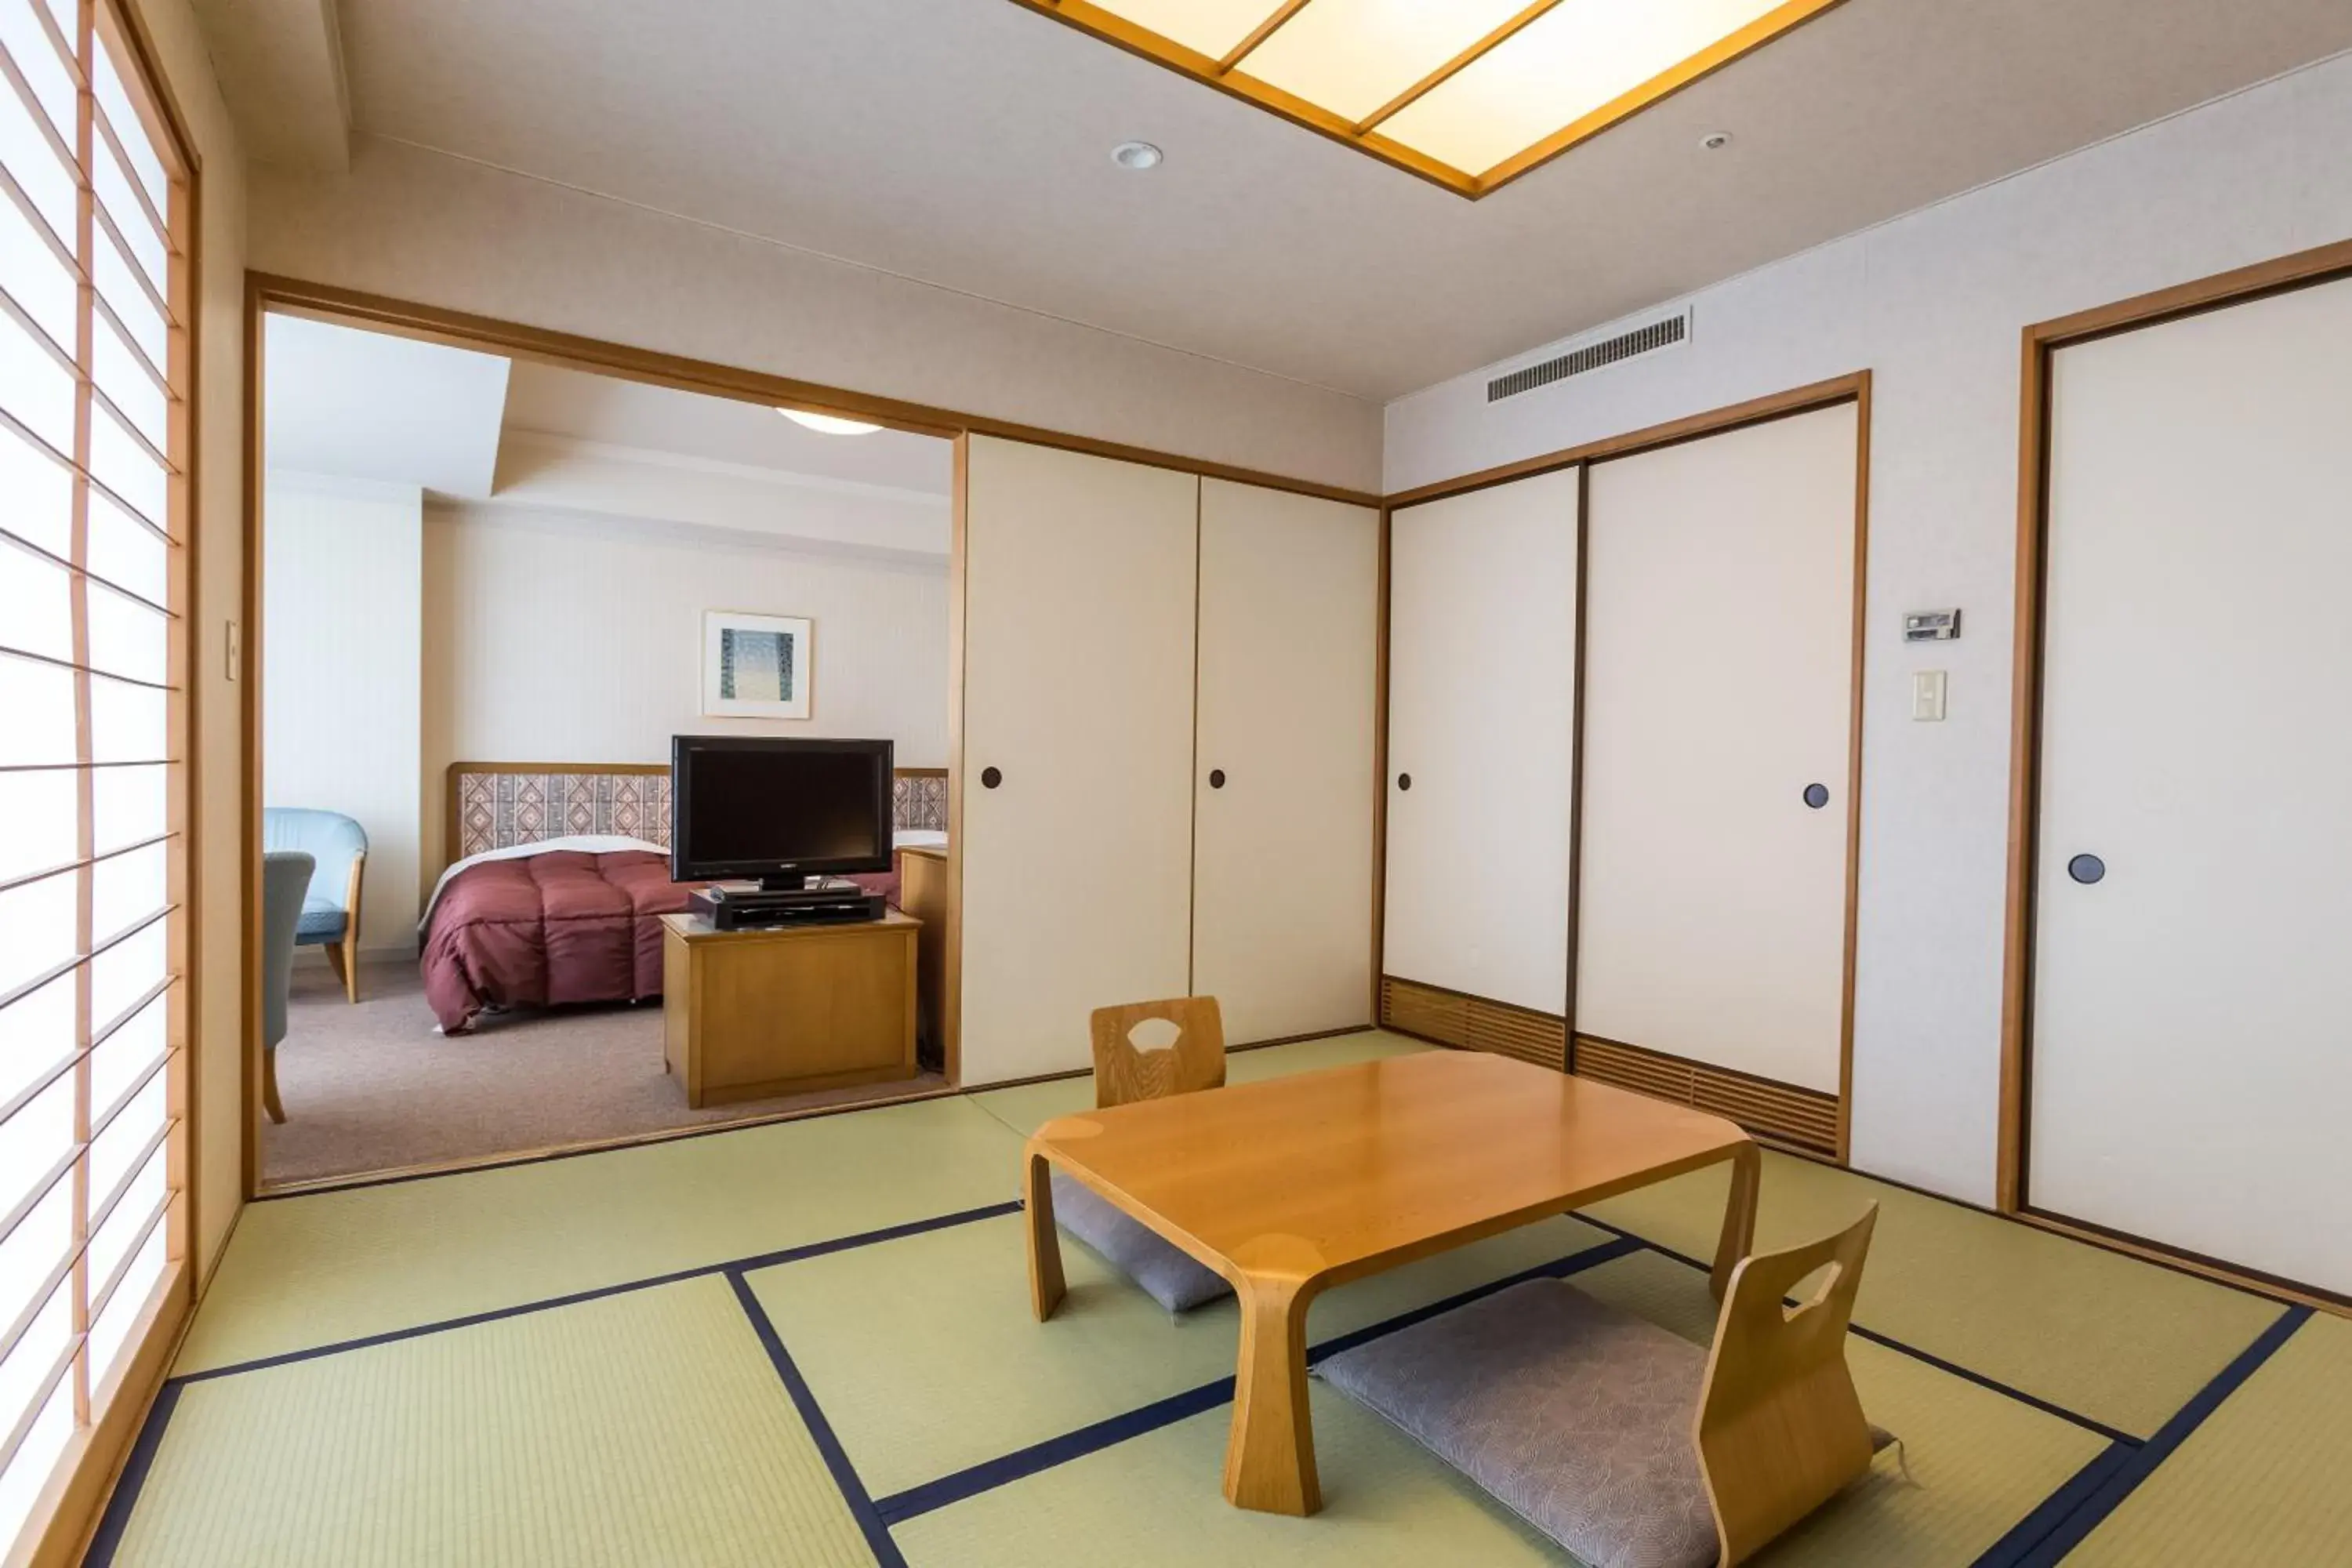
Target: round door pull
989,778
1817,795
2086,869
1216,778
1404,781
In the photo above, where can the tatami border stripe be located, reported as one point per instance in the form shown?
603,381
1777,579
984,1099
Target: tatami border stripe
2095,1499
956,1486
143,1450
844,1475
117,1518
757,1260
1926,1357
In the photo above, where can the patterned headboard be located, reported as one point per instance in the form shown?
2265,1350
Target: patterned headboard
495,805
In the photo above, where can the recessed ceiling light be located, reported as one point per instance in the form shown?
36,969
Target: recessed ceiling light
1136,155
1715,140
831,424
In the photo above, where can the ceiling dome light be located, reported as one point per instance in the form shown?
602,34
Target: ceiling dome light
830,424
1715,140
1136,155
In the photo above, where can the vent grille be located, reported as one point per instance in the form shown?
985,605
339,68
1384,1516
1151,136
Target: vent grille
1473,1023
1800,1119
1663,333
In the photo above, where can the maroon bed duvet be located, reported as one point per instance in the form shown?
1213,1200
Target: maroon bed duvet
543,929
561,927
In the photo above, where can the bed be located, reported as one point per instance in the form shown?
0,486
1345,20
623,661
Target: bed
558,878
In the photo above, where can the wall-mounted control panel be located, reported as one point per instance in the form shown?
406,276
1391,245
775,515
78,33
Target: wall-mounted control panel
1930,626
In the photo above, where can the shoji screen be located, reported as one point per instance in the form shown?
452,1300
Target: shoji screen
93,436
1075,800
1482,711
1719,682
2192,965
1282,779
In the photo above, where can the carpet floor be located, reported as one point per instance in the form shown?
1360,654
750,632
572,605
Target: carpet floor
370,1087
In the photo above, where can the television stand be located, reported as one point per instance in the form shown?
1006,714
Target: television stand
751,1013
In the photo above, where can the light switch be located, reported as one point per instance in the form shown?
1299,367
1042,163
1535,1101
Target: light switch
1928,696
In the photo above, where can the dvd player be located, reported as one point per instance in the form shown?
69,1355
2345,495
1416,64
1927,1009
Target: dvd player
755,909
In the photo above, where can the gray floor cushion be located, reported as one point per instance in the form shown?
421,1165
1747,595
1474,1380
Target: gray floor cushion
1575,1416
1168,1276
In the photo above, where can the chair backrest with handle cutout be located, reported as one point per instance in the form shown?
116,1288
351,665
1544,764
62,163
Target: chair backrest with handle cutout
1780,1427
1125,1071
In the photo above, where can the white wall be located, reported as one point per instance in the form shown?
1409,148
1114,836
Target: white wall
423,225
1933,304
554,636
343,572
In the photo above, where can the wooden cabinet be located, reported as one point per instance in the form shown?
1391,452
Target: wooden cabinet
1482,694
1284,779
747,1015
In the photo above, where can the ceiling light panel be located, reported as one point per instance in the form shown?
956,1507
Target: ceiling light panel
1468,94
1356,56
1569,63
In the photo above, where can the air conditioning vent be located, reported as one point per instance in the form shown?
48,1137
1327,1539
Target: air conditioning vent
1662,334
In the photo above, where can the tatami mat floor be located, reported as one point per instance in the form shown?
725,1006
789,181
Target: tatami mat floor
810,1344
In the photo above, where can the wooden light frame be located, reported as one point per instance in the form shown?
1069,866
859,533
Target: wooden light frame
2042,341
1225,74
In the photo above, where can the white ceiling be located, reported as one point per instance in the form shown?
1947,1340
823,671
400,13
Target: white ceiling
584,407
966,142
364,406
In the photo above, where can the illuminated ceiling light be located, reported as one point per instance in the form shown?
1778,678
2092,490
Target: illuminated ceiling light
1137,155
1469,94
830,424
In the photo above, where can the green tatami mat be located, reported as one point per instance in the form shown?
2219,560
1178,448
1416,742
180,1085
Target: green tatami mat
647,1429
2263,1480
308,1271
1153,1502
1979,1461
2099,1333
925,1358
1030,1106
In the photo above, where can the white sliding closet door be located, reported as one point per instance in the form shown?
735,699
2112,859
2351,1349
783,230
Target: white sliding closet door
1719,687
1283,783
2191,1046
1482,708
1078,699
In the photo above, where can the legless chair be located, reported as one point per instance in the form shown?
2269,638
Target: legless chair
1124,1072
1626,1443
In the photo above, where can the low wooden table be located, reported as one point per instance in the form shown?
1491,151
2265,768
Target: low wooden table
751,1013
1293,1185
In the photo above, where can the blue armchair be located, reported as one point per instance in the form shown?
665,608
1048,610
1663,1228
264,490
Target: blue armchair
331,909
285,880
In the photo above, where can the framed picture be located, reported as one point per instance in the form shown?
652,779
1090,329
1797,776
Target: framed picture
756,667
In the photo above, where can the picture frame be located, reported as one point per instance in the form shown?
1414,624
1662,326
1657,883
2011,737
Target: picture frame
757,667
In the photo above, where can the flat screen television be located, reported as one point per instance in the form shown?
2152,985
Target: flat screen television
777,810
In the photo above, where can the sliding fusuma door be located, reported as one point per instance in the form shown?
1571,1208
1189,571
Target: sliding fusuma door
1073,749
2189,1044
1719,678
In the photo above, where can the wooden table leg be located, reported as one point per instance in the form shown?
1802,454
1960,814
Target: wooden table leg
1739,1217
1046,1286
1270,1456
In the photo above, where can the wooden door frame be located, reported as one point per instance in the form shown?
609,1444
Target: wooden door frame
268,294
1854,388
2040,343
